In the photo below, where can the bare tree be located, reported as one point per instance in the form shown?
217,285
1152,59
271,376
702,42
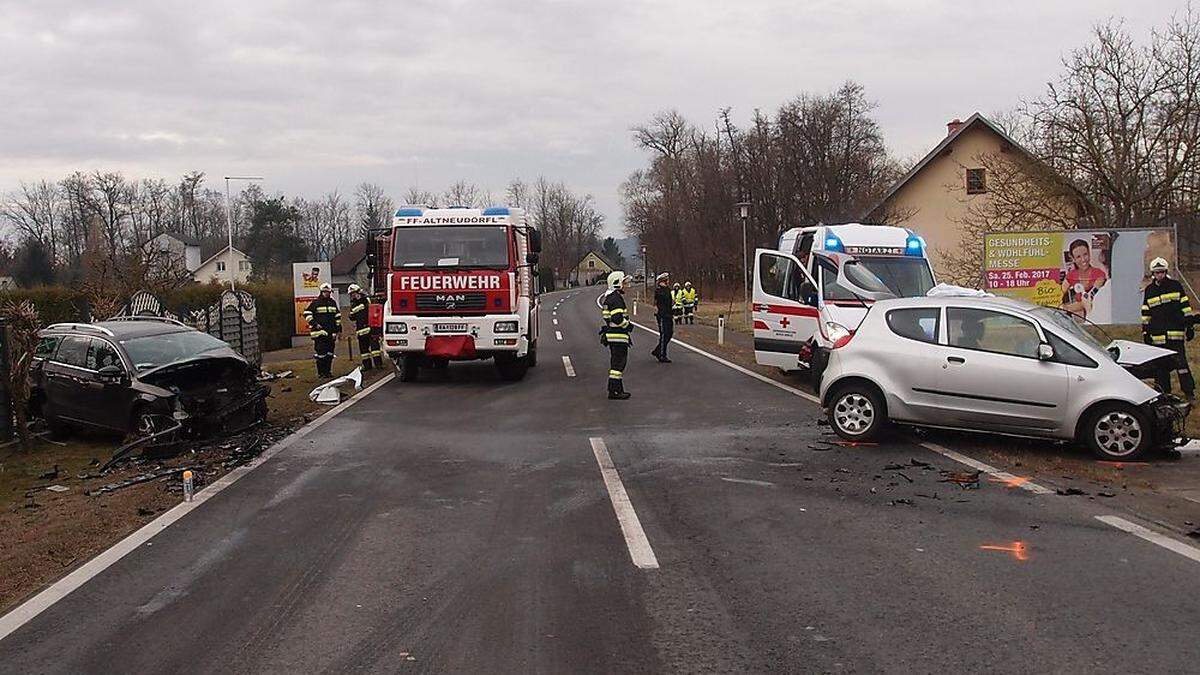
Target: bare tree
373,208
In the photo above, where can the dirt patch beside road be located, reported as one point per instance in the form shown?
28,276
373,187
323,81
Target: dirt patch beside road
48,533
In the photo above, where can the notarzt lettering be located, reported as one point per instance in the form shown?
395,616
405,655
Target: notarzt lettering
449,283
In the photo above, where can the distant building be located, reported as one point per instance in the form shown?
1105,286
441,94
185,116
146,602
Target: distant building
177,250
216,268
593,266
951,186
349,266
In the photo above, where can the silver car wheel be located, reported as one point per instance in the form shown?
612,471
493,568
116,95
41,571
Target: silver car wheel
1118,433
854,413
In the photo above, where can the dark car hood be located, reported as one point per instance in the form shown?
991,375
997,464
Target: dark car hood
223,357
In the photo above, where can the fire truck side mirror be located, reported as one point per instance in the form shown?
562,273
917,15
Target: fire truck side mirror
535,241
370,260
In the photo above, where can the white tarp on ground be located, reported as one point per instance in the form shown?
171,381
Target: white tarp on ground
329,393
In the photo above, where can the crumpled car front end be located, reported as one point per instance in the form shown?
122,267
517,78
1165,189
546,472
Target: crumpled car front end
1168,414
212,393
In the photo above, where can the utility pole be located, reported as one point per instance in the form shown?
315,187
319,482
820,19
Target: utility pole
229,228
744,211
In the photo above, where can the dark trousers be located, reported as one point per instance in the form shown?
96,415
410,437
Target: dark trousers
618,356
323,354
666,330
1179,367
364,350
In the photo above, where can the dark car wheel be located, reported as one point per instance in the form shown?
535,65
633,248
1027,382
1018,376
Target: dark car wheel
1118,432
531,355
856,412
511,368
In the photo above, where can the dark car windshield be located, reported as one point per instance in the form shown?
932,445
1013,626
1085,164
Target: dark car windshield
441,247
157,350
906,277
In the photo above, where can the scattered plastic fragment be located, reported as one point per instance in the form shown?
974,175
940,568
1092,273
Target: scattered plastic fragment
1069,492
329,394
57,488
1017,549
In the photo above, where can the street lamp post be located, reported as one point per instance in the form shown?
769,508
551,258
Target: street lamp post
229,228
744,212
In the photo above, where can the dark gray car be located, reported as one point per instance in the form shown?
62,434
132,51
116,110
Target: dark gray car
141,375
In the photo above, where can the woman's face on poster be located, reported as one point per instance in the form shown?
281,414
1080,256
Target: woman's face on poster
1082,257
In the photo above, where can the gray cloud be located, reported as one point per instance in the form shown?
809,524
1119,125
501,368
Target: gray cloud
318,95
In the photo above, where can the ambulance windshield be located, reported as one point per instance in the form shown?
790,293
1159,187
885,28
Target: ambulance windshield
450,247
906,277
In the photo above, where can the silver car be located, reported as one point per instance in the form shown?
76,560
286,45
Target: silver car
997,365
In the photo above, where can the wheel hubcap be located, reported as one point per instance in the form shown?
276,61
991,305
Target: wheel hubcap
1118,433
854,413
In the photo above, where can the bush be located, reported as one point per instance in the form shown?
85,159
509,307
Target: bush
276,313
54,304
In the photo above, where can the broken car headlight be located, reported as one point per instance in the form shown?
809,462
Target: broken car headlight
397,328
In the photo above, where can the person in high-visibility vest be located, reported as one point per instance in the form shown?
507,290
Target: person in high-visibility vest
614,334
690,300
368,341
324,324
1167,321
677,302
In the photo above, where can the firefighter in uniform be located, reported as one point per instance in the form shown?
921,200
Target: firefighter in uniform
368,340
615,333
677,303
324,323
1167,322
690,300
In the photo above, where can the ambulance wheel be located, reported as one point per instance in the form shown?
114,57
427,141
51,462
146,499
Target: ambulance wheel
510,367
409,367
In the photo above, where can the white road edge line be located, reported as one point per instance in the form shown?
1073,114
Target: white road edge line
557,335
945,452
1151,536
567,364
635,538
81,575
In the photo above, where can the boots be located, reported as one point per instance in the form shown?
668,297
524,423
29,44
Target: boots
366,365
616,390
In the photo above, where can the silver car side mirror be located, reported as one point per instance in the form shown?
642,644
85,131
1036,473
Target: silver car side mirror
1045,352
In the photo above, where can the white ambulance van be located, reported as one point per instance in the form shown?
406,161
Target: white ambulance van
800,311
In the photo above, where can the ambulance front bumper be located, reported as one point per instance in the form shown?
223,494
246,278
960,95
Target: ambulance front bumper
492,333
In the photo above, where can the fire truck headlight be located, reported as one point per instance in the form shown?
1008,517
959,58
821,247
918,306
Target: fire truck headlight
397,328
506,326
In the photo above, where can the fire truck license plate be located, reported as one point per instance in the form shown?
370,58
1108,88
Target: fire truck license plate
449,327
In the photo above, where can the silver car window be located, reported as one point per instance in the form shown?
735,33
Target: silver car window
918,323
989,331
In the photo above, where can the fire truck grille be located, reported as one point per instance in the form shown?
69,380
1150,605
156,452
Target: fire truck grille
451,302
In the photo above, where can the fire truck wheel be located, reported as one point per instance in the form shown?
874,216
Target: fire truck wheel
531,357
409,367
511,368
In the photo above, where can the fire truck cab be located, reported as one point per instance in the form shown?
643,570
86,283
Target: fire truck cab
459,284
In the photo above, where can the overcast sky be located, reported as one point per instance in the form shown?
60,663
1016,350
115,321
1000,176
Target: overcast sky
317,95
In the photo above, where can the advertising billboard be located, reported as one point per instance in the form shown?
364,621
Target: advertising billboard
1096,274
307,278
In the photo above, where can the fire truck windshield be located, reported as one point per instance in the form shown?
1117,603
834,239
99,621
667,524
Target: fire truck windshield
441,247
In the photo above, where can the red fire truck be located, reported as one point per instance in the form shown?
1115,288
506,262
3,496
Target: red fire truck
458,284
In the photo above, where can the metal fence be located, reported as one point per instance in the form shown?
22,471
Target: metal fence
233,318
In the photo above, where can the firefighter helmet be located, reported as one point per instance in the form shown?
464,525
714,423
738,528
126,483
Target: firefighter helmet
687,284
663,276
616,279
676,285
326,287
355,288
1158,265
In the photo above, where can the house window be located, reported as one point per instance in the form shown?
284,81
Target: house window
220,265
244,265
591,264
976,181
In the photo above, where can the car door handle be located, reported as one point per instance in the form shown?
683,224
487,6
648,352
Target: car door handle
955,359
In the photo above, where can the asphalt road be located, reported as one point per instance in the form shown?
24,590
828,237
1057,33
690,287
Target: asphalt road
461,524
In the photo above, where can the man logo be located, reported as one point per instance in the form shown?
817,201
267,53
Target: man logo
451,298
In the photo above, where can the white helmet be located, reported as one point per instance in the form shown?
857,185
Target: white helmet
326,287
354,288
616,279
1158,265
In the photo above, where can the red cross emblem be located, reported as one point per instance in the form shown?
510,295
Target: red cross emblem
784,322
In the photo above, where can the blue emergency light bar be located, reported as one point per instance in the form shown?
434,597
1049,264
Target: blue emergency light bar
914,245
496,211
409,213
833,243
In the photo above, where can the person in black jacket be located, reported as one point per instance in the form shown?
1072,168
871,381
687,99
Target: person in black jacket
615,333
324,323
1167,321
664,303
368,342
